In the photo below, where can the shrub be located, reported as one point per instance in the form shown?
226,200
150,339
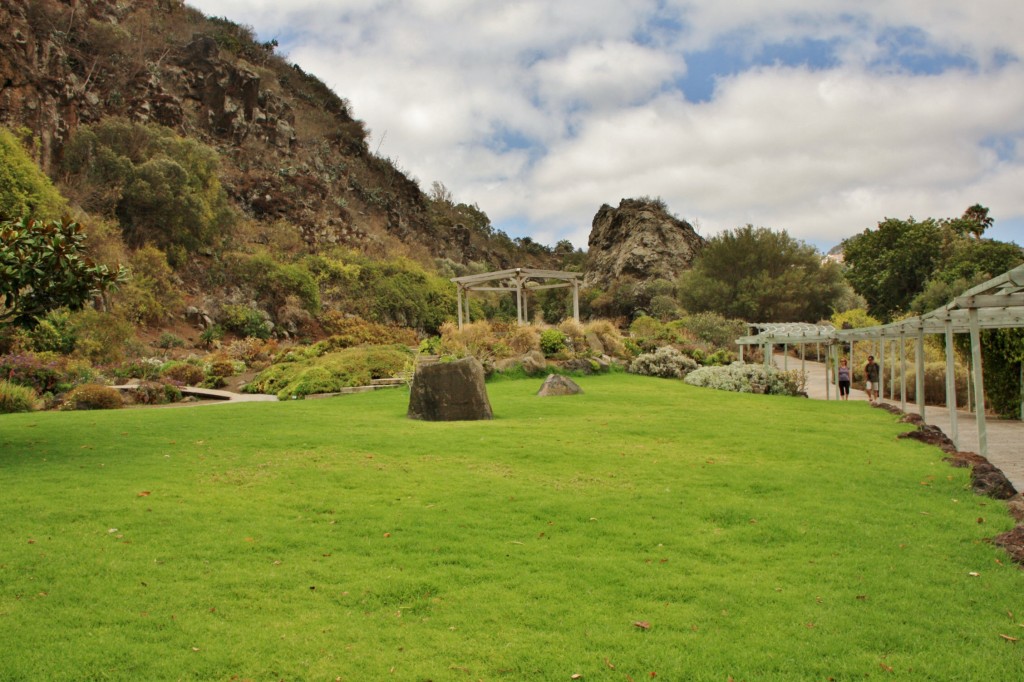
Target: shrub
331,372
609,336
17,398
522,338
103,338
154,393
352,330
168,340
44,372
223,367
575,335
54,333
245,321
666,362
934,383
647,331
743,378
211,336
146,369
552,342
184,373
93,397
713,329
252,351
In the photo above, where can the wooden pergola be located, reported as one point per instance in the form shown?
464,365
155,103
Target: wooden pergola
519,281
995,304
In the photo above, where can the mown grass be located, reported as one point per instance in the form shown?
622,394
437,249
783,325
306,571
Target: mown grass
759,538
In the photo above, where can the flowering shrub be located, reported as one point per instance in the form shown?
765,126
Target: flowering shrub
45,372
743,378
665,362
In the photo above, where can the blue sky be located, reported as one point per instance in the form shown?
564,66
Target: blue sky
819,117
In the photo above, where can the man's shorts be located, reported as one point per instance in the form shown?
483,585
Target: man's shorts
868,386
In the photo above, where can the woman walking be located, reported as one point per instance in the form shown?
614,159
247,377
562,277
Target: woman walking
844,380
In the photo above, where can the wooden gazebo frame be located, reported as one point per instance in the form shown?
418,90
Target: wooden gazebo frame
519,281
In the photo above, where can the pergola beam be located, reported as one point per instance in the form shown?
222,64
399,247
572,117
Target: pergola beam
519,281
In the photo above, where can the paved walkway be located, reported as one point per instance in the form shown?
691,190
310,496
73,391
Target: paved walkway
1005,437
215,395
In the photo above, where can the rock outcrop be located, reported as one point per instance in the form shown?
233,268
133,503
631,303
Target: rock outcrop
639,240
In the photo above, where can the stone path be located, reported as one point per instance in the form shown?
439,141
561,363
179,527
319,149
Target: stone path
1005,437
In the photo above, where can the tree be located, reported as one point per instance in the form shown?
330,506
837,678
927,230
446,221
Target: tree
761,275
889,266
908,265
974,221
43,267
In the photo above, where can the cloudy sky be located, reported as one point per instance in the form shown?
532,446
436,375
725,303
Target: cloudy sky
819,117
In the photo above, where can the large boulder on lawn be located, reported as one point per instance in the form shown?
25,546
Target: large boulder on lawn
556,384
450,391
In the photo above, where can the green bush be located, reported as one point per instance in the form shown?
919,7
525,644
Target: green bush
93,397
552,342
163,189
331,372
245,321
273,282
55,333
24,188
17,398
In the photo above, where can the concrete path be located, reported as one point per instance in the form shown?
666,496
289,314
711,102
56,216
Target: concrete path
1005,437
216,396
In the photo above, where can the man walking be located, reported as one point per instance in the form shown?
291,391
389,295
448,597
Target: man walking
871,378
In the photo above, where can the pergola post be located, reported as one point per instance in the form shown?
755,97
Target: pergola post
576,300
880,388
458,298
951,385
979,380
919,379
785,357
903,371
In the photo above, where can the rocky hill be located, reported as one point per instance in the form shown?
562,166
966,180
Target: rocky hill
639,241
293,156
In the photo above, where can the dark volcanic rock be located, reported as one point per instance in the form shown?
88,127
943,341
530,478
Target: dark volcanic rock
1013,542
986,479
640,240
450,391
931,435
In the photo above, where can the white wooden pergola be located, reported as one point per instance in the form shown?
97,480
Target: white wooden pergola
520,281
995,304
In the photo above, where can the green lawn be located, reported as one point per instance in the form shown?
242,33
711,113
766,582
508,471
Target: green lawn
757,537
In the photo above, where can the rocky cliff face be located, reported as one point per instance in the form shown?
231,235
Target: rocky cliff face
293,156
639,241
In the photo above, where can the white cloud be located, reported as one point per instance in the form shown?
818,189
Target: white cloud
541,111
